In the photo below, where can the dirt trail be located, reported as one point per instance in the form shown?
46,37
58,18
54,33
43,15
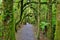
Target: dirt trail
25,33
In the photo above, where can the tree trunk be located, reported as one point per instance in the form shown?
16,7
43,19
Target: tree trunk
8,21
57,32
38,24
49,31
1,28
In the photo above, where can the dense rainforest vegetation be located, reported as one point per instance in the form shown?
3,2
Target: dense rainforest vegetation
43,14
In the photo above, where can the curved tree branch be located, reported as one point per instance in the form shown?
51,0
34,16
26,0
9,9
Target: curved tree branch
25,15
34,3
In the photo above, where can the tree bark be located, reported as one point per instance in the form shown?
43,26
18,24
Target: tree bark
38,24
8,21
49,31
57,31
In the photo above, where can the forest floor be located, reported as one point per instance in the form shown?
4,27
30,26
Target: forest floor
27,32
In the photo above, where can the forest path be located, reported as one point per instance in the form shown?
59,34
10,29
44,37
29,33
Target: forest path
26,33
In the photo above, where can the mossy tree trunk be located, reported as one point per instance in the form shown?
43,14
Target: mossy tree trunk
1,28
8,21
49,31
38,24
57,31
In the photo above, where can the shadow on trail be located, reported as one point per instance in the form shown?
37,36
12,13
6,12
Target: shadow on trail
26,33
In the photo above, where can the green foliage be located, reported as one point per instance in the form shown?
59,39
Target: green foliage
43,24
43,0
53,14
0,2
29,14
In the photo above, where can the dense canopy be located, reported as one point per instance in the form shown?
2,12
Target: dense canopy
44,15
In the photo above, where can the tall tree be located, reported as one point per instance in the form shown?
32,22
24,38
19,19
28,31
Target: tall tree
8,21
38,24
49,32
57,31
1,28
21,10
